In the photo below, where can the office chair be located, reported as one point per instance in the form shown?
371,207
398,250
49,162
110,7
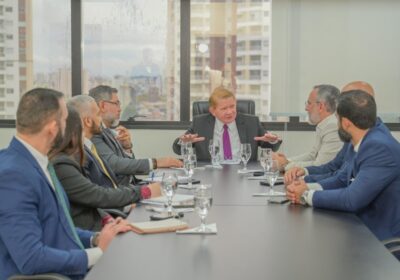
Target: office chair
393,245
47,276
244,106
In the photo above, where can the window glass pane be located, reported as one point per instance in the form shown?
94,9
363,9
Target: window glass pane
133,45
230,46
34,49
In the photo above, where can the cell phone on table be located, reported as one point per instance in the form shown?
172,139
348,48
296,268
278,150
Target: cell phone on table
263,183
185,181
164,216
258,173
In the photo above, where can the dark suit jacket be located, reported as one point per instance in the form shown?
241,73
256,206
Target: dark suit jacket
85,196
345,155
123,165
248,126
369,186
35,236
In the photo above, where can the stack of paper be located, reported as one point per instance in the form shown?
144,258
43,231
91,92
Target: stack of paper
168,225
178,199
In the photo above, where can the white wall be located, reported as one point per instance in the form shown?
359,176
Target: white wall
335,41
158,143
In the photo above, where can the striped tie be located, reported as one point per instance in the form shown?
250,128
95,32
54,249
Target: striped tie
103,167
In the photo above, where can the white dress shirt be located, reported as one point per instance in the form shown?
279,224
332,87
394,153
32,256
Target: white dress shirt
93,254
233,136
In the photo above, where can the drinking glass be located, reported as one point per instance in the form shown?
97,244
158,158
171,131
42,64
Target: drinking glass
265,158
169,185
213,148
271,174
186,148
203,202
189,164
245,154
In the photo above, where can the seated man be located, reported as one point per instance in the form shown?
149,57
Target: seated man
317,173
228,127
369,185
115,145
320,106
36,233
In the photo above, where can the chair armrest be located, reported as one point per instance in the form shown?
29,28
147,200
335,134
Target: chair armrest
116,213
47,276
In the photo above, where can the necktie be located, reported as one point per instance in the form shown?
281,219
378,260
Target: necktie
227,143
61,200
100,161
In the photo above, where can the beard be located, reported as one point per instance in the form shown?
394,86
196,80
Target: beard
313,119
343,135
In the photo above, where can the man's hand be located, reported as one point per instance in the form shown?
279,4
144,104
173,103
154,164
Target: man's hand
110,230
168,162
155,189
295,190
292,174
124,137
192,138
282,160
268,137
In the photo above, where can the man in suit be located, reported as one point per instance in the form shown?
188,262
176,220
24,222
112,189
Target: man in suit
115,146
230,128
370,184
316,173
320,106
36,233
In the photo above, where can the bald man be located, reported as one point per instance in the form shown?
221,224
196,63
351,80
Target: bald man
314,174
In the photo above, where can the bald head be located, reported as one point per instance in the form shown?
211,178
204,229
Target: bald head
359,85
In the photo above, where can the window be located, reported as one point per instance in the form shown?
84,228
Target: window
134,47
233,32
36,52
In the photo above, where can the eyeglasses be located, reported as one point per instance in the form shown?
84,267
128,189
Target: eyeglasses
308,103
117,103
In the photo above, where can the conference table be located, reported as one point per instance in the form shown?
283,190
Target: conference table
255,240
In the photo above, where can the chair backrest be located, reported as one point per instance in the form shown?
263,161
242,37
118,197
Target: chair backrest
244,106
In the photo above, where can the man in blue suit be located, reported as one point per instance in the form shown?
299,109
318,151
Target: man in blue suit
314,174
370,184
36,233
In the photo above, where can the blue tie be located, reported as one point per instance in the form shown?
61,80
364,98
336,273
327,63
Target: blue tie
61,199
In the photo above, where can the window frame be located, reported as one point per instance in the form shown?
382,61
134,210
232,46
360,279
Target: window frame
76,79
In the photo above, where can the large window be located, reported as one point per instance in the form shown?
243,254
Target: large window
134,46
34,49
230,47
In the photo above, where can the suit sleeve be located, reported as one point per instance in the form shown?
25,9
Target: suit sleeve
82,191
120,165
377,169
21,230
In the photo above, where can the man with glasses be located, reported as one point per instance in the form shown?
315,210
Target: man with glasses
320,106
114,142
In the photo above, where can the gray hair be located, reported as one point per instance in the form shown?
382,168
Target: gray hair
329,95
102,92
82,104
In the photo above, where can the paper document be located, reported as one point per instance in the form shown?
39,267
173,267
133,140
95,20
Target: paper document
178,199
240,171
168,225
211,229
268,194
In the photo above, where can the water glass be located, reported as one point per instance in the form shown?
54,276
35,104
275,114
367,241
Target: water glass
266,158
169,185
213,148
189,164
245,154
272,174
203,202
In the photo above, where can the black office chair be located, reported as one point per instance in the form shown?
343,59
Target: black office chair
47,276
244,106
393,245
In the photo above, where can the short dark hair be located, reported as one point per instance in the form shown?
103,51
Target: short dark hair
71,143
329,95
36,108
102,92
359,107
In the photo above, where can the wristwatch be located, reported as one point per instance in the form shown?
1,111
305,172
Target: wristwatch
303,198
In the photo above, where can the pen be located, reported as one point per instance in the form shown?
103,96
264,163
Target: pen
152,176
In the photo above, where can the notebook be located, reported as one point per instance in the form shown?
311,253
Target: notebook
168,225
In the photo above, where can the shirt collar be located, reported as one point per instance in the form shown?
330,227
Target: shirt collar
88,143
220,125
325,122
43,160
357,147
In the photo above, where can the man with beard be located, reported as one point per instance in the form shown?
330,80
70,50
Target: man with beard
369,185
114,145
320,106
317,173
89,183
36,233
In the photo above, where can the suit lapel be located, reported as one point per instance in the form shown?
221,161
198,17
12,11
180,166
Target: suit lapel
241,127
21,149
93,159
